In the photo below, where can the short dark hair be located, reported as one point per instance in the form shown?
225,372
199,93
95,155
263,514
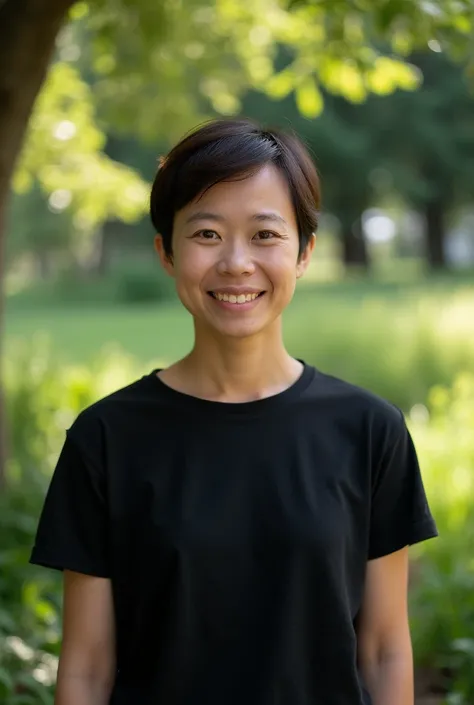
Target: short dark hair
228,149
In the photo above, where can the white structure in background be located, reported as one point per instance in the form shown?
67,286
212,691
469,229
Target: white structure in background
459,248
378,227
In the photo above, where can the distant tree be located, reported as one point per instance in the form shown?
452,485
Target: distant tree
427,140
344,146
423,139
41,227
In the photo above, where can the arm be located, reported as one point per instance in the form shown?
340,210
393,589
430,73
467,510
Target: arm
87,662
383,635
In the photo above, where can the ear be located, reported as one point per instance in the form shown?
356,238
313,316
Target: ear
165,260
305,257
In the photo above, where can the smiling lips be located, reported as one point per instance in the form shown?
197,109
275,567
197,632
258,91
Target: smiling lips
239,298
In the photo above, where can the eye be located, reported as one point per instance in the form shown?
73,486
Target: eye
266,235
206,235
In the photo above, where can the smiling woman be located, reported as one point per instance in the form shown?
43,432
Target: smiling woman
236,212
234,528
236,249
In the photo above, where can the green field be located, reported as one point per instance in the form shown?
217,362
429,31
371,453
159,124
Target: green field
78,334
396,338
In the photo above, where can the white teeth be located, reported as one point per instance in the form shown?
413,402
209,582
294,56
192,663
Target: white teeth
233,299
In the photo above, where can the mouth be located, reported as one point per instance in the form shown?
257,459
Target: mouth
243,298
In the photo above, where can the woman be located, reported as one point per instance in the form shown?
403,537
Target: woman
234,528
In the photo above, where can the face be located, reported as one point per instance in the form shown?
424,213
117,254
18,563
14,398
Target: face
235,254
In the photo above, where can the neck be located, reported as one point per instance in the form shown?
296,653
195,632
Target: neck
235,370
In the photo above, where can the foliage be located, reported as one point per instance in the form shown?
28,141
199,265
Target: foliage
30,603
371,153
157,68
36,228
42,401
430,155
138,284
225,47
179,65
443,593
128,281
65,186
63,151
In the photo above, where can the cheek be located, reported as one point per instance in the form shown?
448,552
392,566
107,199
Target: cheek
190,268
281,267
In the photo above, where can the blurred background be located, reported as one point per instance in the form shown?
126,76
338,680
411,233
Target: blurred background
91,96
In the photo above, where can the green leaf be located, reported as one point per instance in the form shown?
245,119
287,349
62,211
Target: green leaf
309,99
280,85
6,679
389,74
350,83
63,154
79,10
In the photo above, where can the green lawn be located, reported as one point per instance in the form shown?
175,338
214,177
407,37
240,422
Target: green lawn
153,331
396,339
78,334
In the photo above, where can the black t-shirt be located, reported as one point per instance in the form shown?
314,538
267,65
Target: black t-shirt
236,536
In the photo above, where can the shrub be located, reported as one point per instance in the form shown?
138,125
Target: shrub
42,400
130,282
442,596
139,284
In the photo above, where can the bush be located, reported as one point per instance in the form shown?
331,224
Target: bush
42,400
442,597
138,284
130,282
30,602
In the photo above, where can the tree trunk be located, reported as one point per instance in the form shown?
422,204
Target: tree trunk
435,234
354,247
44,265
28,30
104,249
3,423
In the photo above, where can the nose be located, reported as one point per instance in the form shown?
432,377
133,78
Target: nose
236,260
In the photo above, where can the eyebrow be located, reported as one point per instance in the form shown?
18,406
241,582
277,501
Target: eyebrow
260,217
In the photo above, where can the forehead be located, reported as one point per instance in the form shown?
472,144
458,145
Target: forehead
266,190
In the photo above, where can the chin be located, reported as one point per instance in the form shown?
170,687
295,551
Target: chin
237,332
232,330
238,335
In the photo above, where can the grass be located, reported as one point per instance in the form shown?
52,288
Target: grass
145,332
397,338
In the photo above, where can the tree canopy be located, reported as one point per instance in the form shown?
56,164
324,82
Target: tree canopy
155,69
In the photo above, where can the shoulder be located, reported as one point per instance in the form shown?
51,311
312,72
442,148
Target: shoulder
114,412
358,407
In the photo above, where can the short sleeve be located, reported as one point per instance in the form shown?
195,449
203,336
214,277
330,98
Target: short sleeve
400,515
72,531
